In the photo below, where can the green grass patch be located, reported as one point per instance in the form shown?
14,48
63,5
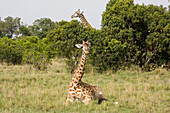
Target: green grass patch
23,89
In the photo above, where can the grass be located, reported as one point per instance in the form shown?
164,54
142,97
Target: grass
23,89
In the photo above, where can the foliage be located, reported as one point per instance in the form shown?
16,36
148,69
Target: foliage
29,49
24,31
26,48
130,35
41,27
141,31
62,40
12,27
36,52
9,27
11,51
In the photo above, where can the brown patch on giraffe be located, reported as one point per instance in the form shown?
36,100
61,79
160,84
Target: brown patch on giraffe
71,85
81,73
81,69
73,93
71,90
78,95
82,66
75,81
84,97
77,78
83,89
83,61
78,91
81,95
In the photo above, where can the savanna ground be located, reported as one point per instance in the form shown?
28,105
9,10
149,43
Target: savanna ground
23,89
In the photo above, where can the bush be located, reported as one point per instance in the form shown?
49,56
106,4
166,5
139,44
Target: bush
36,52
11,51
142,31
29,49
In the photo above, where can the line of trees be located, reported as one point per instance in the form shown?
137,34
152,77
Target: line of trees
13,27
130,35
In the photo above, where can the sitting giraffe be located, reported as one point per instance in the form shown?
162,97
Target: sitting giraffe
82,18
79,90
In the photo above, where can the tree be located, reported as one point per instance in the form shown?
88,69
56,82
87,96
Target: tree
10,26
24,30
157,41
140,29
41,27
117,25
62,41
1,34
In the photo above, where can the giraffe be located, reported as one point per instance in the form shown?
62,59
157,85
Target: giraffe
79,90
82,18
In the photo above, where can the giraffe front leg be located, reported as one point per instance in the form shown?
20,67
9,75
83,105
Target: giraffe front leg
70,98
86,100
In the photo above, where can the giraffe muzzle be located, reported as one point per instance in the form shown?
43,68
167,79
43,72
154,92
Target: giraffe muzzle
86,52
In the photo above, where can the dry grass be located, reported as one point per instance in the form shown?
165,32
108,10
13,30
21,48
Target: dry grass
23,89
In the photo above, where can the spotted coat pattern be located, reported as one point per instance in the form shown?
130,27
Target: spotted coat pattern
79,90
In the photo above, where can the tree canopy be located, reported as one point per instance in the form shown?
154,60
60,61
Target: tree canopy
130,34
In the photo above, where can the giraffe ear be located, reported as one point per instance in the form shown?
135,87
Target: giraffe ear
78,10
79,45
89,44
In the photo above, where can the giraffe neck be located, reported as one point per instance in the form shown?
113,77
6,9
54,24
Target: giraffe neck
84,21
80,69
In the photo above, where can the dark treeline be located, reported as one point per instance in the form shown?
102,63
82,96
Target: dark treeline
130,35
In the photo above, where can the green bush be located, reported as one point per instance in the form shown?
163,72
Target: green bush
36,52
29,49
142,31
11,51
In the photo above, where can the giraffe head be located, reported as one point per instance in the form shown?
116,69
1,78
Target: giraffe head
85,46
77,14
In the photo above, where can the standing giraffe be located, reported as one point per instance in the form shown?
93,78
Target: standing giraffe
79,90
82,18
